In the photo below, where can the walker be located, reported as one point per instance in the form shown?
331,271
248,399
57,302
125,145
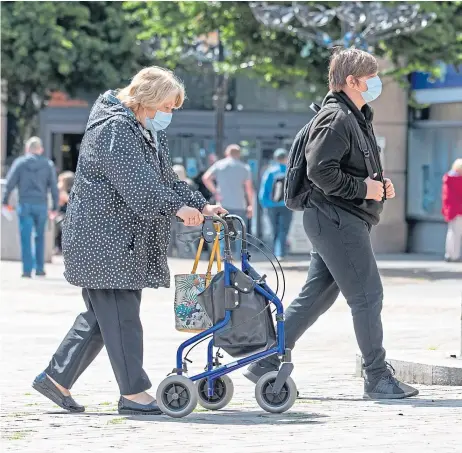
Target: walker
237,303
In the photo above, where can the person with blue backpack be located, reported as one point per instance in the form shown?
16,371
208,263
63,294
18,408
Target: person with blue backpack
271,197
335,176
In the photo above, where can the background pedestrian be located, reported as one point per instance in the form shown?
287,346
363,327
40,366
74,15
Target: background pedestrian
271,197
34,175
452,210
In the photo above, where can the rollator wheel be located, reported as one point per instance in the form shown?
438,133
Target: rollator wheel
275,403
223,390
177,396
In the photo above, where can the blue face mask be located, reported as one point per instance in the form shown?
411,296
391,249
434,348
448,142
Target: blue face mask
160,121
374,89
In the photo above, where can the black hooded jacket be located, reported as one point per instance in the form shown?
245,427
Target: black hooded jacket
336,165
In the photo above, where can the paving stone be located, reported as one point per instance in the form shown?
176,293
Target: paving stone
419,315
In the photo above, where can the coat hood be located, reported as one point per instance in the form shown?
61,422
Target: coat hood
107,106
35,162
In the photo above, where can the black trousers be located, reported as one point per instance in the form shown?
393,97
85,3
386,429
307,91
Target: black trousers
113,320
342,261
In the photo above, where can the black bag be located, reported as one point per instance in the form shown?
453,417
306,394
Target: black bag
251,328
277,194
297,186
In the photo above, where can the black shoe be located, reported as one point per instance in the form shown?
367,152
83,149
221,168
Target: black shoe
26,275
258,369
127,407
40,274
255,371
387,387
45,386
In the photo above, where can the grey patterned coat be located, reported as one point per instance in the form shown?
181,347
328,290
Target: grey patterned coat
117,226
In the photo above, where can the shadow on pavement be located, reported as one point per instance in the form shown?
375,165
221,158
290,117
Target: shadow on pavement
423,402
415,402
328,398
241,418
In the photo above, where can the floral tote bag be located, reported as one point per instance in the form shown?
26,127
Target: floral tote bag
189,315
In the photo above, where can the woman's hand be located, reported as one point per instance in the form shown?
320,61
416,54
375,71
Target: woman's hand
213,209
190,216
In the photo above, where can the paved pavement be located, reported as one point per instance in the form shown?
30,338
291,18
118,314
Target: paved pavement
422,312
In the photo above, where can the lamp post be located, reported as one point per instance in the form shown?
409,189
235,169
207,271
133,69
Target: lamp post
220,99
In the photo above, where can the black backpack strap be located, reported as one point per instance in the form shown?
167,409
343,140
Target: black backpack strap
315,107
358,133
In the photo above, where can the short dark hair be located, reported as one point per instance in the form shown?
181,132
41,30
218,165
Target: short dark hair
345,62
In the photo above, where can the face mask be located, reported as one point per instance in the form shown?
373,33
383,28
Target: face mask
374,89
160,121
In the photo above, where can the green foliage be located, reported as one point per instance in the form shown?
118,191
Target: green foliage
276,57
273,56
64,46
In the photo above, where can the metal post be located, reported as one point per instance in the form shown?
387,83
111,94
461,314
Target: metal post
220,99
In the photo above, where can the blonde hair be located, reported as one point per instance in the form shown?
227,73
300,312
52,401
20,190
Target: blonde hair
34,145
66,180
180,172
150,87
457,166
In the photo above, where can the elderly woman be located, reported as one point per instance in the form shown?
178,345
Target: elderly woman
116,234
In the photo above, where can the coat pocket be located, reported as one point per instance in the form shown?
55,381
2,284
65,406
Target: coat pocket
71,223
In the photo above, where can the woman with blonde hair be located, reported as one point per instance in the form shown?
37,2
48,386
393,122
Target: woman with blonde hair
116,234
452,210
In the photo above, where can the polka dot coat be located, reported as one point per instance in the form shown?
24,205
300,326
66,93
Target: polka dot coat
117,226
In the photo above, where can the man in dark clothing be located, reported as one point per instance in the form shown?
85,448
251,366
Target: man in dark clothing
343,206
34,175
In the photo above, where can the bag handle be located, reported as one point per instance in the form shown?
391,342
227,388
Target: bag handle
214,256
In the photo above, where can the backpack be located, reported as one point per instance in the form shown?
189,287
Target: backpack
297,186
277,192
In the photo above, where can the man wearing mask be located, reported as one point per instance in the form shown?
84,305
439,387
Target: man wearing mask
342,207
34,175
271,197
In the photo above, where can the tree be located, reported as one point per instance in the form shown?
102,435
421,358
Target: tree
66,46
280,57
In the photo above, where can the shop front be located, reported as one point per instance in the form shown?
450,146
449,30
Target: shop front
435,141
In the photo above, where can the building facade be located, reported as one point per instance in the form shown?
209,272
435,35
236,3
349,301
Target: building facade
262,119
435,141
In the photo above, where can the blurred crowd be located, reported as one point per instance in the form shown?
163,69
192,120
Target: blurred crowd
227,181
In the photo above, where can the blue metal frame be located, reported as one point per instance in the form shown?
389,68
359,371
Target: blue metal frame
214,373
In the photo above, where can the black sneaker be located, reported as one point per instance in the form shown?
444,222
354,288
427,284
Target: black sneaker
40,274
387,387
26,275
258,369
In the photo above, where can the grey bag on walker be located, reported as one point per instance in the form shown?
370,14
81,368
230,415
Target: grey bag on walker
251,328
